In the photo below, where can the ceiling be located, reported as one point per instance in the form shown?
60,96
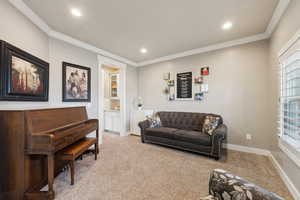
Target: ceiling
164,27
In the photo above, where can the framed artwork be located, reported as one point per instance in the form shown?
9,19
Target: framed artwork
76,83
184,86
23,77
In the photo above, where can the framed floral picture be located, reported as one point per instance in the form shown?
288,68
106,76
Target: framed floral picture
76,83
23,77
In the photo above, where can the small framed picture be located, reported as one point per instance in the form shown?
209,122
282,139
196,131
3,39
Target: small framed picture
76,83
205,71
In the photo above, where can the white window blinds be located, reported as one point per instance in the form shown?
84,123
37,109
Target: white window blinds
290,99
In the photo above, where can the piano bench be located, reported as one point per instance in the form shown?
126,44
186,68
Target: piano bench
72,152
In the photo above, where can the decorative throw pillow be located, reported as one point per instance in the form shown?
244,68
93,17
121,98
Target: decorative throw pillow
154,121
210,124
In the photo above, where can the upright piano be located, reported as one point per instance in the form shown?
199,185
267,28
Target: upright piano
30,141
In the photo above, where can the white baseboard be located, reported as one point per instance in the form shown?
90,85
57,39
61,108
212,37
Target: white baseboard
293,190
291,155
291,187
247,149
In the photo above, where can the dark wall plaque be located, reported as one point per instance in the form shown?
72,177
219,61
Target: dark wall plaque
184,85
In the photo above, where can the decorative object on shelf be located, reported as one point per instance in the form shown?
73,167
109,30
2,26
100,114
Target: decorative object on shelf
166,91
199,96
171,83
205,71
171,96
198,80
23,77
184,86
204,88
76,83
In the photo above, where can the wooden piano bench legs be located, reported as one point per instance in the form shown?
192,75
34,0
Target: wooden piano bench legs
76,150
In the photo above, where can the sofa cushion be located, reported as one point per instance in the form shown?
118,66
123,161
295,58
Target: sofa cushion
163,132
184,120
194,137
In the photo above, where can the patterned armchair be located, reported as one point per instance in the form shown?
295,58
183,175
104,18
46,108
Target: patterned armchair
225,186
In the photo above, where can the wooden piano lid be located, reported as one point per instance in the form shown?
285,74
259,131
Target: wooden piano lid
46,119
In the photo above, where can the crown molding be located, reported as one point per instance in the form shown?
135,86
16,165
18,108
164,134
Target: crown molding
28,12
279,11
289,44
78,43
232,43
23,8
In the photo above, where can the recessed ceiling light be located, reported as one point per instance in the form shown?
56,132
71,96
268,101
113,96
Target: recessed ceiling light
76,12
227,25
144,50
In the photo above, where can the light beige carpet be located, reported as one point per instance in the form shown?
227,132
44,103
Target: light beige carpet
130,170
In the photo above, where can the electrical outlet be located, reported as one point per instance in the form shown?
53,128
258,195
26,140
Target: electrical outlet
248,136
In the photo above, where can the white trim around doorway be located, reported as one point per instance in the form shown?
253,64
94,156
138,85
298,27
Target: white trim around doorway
110,62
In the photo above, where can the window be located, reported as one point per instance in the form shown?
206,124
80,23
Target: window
290,100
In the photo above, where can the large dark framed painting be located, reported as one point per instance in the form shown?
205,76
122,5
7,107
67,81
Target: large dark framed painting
76,83
24,77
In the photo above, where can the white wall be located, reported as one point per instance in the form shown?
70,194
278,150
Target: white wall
19,31
287,27
131,91
61,51
238,88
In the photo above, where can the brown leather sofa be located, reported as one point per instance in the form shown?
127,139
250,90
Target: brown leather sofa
183,130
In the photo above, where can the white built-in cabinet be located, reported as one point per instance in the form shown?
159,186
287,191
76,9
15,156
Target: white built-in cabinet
112,121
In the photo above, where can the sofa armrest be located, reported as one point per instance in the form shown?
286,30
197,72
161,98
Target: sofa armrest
143,125
224,185
219,135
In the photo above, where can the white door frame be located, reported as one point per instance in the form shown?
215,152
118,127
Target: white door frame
110,62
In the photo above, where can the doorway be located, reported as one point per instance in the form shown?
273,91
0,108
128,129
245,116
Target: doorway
112,96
